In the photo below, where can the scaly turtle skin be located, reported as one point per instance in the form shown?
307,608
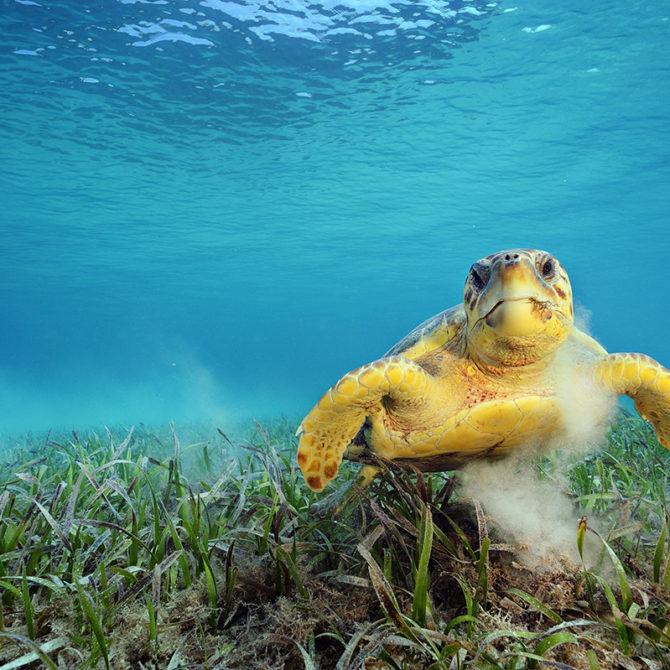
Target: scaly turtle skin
479,379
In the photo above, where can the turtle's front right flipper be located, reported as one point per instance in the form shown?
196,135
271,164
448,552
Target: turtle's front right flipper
645,381
334,421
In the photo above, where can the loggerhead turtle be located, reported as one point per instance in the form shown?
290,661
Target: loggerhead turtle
477,380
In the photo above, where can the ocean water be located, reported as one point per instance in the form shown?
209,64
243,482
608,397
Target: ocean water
211,209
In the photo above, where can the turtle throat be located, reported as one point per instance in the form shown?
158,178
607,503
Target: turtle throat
517,332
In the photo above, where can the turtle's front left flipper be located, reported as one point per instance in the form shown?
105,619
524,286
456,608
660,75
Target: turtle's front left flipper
334,421
645,381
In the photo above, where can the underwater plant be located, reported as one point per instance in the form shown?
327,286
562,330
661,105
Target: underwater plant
129,549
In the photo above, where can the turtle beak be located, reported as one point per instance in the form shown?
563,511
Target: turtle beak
516,301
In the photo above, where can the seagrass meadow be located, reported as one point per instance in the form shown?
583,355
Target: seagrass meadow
139,548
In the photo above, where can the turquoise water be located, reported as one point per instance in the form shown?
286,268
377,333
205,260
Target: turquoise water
212,209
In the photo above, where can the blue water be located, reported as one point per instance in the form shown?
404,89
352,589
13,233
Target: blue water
212,209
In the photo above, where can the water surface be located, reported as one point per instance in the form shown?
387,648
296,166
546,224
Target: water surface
212,209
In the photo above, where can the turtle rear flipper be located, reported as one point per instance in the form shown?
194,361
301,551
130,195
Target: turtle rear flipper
334,421
645,381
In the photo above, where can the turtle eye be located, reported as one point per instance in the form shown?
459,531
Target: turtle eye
547,268
479,276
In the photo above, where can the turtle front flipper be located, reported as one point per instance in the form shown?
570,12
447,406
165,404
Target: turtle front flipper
645,381
334,421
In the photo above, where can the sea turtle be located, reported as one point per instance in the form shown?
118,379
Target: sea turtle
479,379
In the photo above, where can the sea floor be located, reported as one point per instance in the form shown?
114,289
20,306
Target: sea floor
182,548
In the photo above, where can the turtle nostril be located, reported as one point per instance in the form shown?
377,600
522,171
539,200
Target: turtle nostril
511,257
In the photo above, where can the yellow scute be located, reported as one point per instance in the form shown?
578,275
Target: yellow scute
410,376
648,374
427,448
499,417
347,386
325,403
394,374
631,370
539,416
617,370
341,399
466,438
371,378
663,383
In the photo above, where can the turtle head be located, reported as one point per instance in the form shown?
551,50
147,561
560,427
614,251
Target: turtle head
518,305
